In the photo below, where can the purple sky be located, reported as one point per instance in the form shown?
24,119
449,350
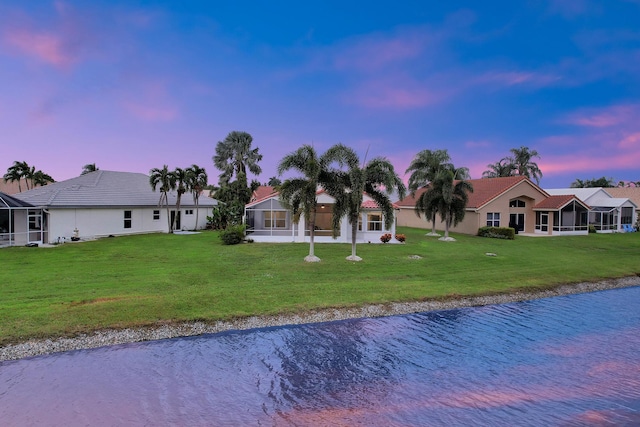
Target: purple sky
133,85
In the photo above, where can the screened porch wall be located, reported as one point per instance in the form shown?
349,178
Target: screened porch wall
269,218
573,217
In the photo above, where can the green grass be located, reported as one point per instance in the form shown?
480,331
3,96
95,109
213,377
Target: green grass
158,278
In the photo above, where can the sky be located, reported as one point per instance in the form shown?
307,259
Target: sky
135,85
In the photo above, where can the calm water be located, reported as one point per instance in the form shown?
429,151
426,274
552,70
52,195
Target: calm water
562,361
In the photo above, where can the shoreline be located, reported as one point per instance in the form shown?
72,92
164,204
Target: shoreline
110,337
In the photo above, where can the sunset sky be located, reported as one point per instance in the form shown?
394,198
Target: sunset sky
133,85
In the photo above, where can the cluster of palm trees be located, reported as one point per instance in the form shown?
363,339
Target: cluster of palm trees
192,179
446,186
602,182
22,171
519,163
341,174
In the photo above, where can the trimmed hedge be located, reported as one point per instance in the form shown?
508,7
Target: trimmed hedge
233,234
497,232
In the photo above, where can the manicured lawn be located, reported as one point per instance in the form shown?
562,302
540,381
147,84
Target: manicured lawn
149,279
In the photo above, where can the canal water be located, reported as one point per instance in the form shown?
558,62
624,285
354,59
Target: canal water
564,361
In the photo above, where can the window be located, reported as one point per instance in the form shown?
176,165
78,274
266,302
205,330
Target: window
127,219
493,219
156,215
516,203
275,219
188,211
374,222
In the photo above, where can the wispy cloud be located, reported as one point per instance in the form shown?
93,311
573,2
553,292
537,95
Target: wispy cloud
516,78
627,114
151,102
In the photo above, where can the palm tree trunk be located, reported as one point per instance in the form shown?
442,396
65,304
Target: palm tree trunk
354,235
312,232
433,223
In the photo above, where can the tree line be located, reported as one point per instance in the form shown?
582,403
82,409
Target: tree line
20,171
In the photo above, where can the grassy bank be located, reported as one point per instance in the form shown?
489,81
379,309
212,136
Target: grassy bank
148,279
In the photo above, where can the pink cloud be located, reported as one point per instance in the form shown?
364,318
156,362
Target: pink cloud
47,47
606,117
513,78
630,141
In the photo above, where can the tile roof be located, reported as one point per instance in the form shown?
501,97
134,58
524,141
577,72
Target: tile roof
558,202
484,190
262,192
104,188
371,204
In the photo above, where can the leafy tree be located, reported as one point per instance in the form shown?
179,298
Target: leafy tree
165,181
21,170
593,183
502,168
447,195
235,157
274,181
300,193
524,166
90,167
197,180
377,178
424,167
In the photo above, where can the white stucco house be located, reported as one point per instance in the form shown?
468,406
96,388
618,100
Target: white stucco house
607,214
97,204
267,220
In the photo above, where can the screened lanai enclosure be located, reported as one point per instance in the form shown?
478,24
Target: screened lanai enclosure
20,223
572,218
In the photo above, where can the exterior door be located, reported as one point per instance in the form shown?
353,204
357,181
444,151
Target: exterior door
544,222
517,221
176,220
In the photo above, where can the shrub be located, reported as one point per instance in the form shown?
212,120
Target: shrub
385,238
233,234
592,229
401,238
497,232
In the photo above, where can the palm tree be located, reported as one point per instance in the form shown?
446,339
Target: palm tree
166,180
377,178
180,176
90,167
300,193
503,167
522,162
41,178
424,167
14,173
197,180
447,196
234,157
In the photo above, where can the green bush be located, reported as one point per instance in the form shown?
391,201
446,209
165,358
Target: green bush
592,229
497,232
233,234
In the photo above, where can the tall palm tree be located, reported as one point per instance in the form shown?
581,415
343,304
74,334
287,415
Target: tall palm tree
90,167
503,167
197,180
522,162
377,178
447,195
166,181
181,176
234,157
300,193
14,173
424,167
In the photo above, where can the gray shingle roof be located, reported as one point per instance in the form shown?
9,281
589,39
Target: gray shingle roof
104,189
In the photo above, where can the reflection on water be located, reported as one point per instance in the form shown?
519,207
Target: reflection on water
565,361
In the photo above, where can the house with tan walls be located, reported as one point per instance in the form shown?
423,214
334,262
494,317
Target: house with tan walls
508,202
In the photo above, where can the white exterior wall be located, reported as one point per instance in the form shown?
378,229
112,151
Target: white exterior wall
95,222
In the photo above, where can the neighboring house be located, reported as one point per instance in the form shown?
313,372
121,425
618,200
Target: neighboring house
268,220
104,203
631,193
608,214
20,222
508,202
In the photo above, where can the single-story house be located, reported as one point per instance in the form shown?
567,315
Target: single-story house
608,214
513,201
104,203
267,220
